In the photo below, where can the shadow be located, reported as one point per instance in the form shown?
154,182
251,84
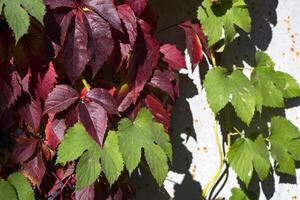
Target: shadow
268,186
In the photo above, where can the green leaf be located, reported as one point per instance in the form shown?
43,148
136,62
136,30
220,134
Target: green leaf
238,194
111,158
287,84
143,133
245,155
7,191
88,168
285,144
263,60
224,15
75,142
22,185
17,17
219,86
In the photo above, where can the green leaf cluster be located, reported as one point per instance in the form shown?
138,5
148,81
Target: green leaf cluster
16,187
216,17
123,146
16,14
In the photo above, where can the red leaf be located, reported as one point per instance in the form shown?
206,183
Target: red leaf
87,193
65,25
46,82
75,51
35,169
157,110
31,114
94,118
61,97
130,22
163,80
100,40
54,131
23,149
60,3
137,5
107,10
103,98
194,37
173,57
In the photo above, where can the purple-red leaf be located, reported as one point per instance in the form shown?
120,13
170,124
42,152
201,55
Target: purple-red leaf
76,54
130,22
46,82
103,98
94,118
163,80
65,25
54,131
160,114
60,3
137,5
100,40
87,193
173,57
61,97
31,114
107,10
23,150
35,169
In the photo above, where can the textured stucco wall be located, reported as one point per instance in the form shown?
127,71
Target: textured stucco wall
275,29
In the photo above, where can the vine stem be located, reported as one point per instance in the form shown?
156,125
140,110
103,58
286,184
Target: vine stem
213,180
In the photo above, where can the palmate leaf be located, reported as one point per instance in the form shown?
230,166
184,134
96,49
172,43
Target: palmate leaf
133,136
246,155
22,185
17,17
285,144
238,194
220,85
225,16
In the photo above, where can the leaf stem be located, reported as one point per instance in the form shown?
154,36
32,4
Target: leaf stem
86,85
213,59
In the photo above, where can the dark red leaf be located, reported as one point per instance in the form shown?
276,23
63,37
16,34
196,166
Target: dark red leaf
23,150
54,131
130,22
35,169
46,82
194,35
100,40
87,193
65,25
163,80
6,119
103,98
72,117
60,3
61,97
94,118
137,5
31,114
158,111
107,10
25,81
75,51
173,57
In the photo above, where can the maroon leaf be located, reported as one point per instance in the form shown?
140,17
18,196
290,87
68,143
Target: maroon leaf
23,150
130,22
65,25
54,131
87,193
31,114
163,80
35,169
173,57
158,111
137,5
107,10
194,36
60,3
103,98
46,82
60,99
25,81
100,40
76,54
94,118
6,119
72,117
